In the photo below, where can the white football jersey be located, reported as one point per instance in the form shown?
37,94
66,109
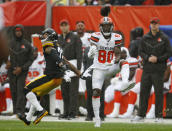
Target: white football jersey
133,62
3,73
37,68
105,48
1,18
85,41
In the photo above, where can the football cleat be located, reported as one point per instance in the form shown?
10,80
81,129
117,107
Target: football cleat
23,118
40,115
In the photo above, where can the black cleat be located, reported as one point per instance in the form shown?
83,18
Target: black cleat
57,110
70,117
23,118
102,118
40,115
88,118
63,116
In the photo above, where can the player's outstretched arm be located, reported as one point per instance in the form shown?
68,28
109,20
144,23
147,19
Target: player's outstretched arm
72,67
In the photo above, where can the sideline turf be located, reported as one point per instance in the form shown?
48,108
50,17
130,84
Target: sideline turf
60,126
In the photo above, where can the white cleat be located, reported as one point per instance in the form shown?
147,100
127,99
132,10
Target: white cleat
125,115
13,116
97,123
112,115
7,112
158,120
83,111
137,119
150,116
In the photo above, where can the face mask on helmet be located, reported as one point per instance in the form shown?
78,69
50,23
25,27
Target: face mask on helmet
49,35
106,29
106,26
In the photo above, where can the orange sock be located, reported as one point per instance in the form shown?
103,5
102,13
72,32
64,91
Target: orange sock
118,96
58,94
7,93
153,98
132,97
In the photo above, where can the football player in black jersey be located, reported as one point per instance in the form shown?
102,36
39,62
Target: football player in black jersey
56,64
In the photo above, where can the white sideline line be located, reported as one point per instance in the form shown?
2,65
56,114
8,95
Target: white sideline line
82,119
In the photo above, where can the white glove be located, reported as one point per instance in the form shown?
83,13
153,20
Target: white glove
67,77
92,51
86,74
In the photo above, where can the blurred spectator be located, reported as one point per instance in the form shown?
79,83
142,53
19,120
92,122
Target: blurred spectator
108,2
127,2
21,57
79,2
135,2
100,2
119,2
148,2
90,2
60,2
134,45
162,2
72,47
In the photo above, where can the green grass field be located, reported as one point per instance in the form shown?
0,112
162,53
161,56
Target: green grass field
69,126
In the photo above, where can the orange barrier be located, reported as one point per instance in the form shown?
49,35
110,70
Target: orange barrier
27,13
125,18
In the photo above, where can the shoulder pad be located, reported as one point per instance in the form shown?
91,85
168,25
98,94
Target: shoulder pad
95,37
117,36
133,62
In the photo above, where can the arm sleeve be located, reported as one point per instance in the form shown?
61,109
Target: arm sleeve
167,52
30,59
142,52
125,71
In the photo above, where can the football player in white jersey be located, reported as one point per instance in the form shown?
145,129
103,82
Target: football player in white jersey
119,86
136,90
4,86
105,49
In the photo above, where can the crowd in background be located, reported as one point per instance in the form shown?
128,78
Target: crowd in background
103,2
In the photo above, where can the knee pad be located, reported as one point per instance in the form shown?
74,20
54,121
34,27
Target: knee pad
96,92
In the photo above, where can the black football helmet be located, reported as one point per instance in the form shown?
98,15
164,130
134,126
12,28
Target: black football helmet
50,33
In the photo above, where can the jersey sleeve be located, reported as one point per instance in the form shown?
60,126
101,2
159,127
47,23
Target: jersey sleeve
94,38
118,39
133,62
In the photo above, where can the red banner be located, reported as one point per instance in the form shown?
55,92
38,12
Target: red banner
125,18
27,13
